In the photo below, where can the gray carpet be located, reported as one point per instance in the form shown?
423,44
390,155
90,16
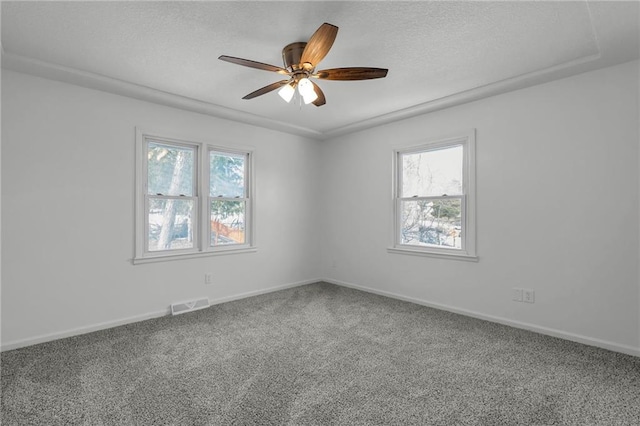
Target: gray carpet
318,355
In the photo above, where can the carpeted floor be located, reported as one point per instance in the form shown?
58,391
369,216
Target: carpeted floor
318,355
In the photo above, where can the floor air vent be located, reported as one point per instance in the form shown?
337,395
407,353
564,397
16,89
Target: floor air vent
192,305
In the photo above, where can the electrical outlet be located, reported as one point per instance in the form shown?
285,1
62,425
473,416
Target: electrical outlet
517,294
529,295
208,279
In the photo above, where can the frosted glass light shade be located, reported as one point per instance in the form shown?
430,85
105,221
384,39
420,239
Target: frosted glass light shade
286,92
305,87
308,99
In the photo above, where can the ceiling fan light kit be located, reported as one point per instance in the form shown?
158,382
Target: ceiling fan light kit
300,61
305,87
287,92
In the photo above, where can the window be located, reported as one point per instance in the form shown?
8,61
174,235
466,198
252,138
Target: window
193,199
227,198
434,199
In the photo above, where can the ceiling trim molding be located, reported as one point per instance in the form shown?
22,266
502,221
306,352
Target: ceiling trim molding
522,81
103,83
107,84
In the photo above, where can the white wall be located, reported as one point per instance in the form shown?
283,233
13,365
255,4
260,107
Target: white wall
68,218
562,156
557,185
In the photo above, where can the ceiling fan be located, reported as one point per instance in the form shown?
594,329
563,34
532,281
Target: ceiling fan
300,62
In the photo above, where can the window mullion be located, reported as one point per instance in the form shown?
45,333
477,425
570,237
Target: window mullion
203,191
441,197
228,198
172,197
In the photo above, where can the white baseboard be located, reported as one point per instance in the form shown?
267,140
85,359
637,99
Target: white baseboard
612,346
630,350
16,344
262,291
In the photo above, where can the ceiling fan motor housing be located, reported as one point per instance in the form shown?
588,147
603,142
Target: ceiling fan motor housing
292,54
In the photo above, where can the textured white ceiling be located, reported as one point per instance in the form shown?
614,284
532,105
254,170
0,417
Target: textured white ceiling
435,51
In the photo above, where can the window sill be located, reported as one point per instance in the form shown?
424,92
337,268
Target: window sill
167,258
437,255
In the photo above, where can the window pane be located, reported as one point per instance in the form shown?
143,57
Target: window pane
227,222
170,169
226,175
170,224
432,173
431,223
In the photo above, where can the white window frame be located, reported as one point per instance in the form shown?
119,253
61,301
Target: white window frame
246,199
201,211
468,199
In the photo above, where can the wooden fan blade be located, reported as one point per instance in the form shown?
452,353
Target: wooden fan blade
321,99
266,89
253,64
355,73
319,44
